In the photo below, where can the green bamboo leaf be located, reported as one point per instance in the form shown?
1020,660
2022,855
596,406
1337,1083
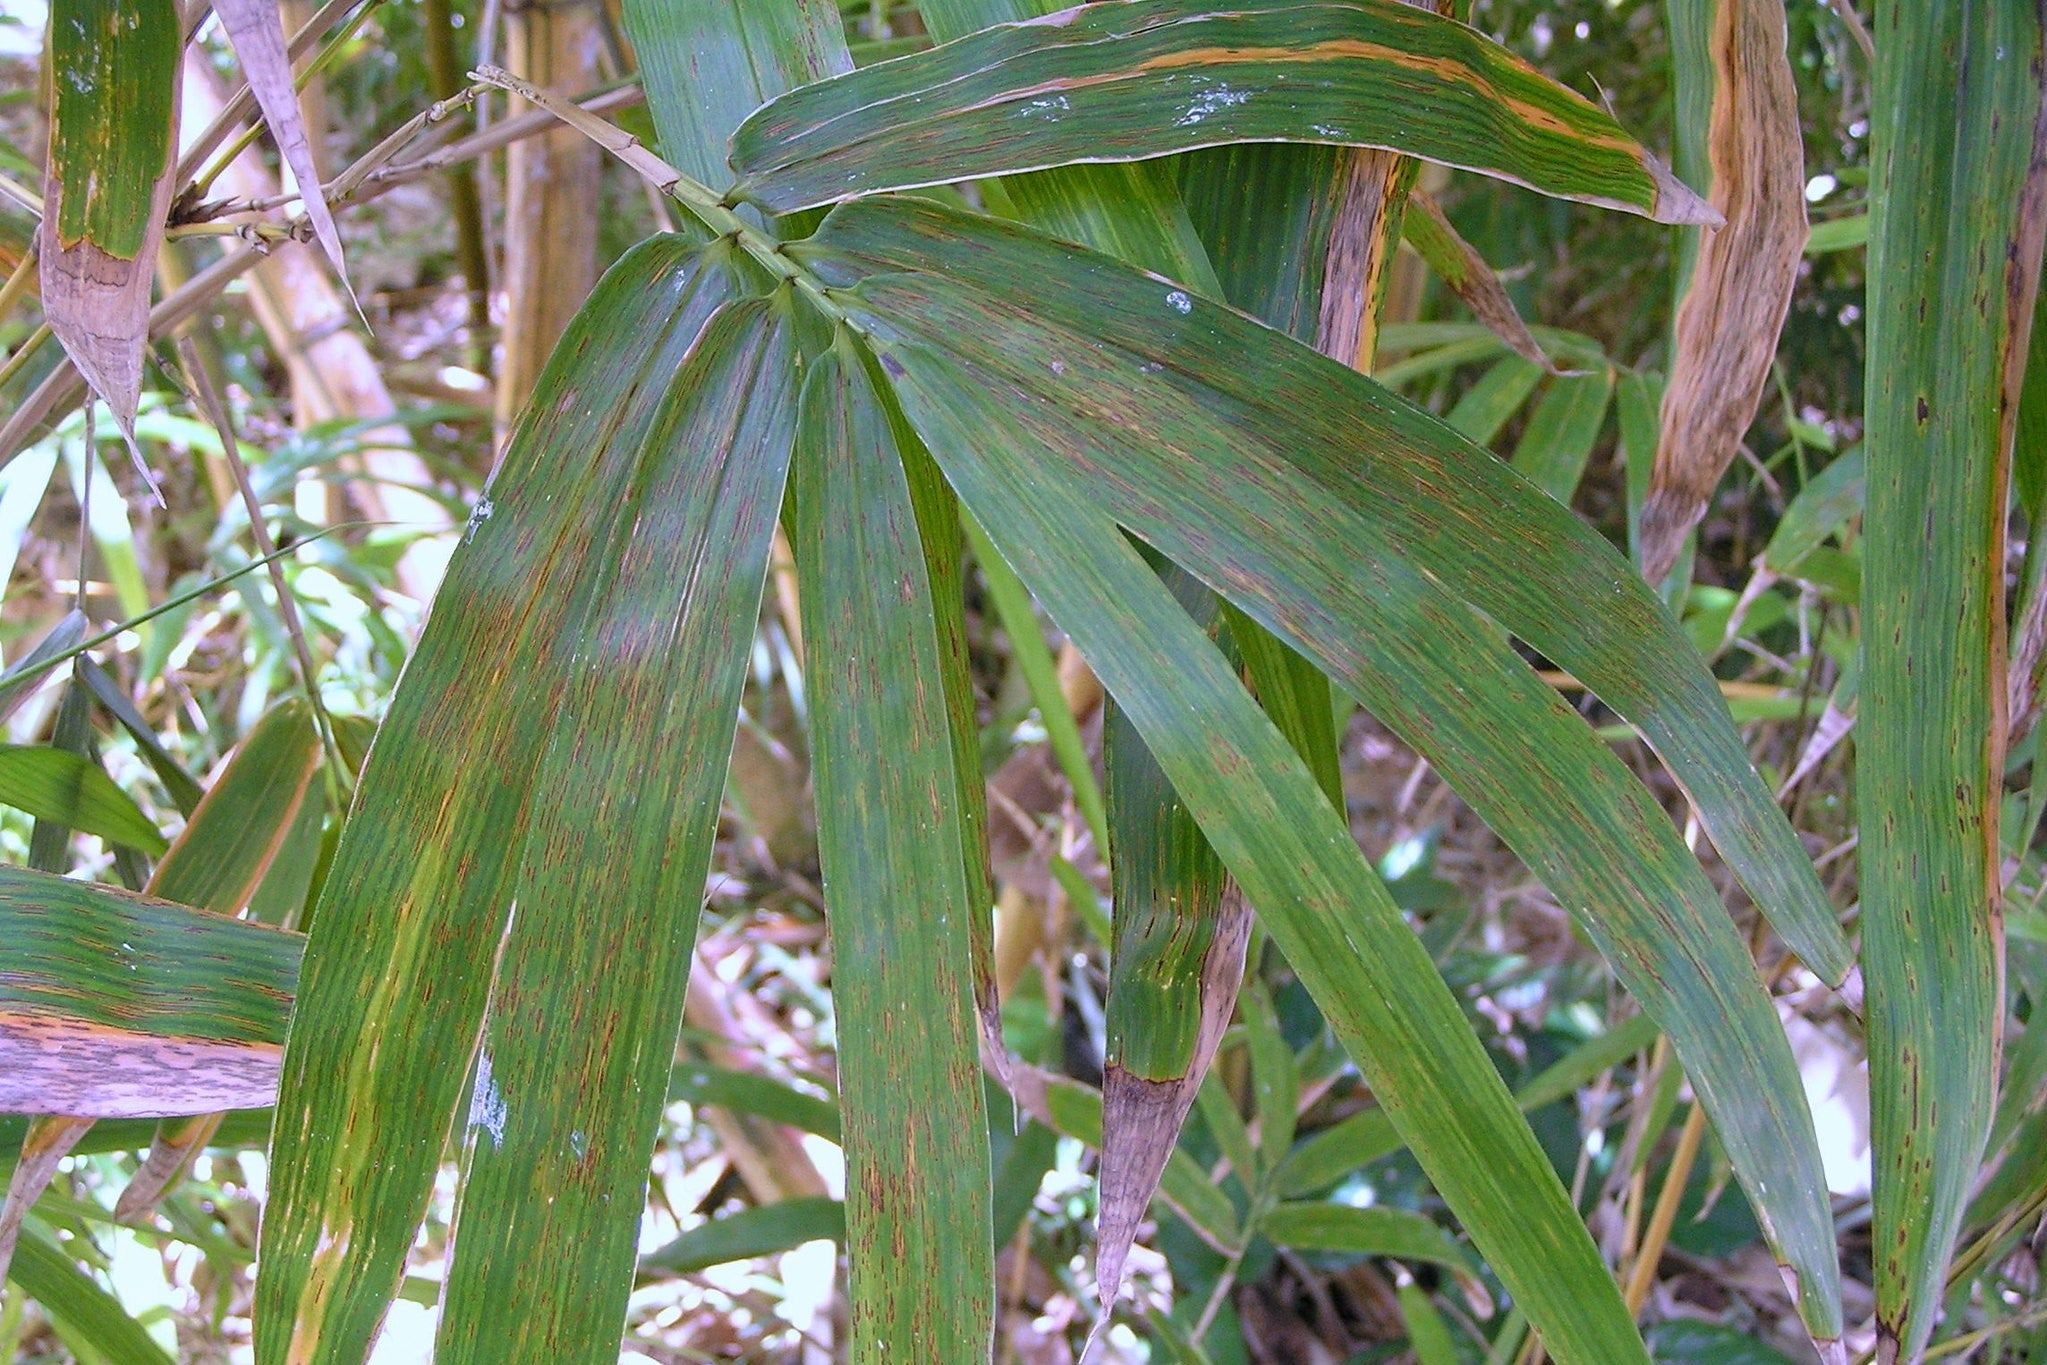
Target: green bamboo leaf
1265,213
1293,422
49,845
1329,915
227,847
897,890
28,672
116,1005
1527,764
1492,399
1322,1160
113,145
1275,1079
1562,431
750,1233
1427,1333
1828,501
708,65
69,790
748,1092
1012,602
583,1016
86,1314
1956,203
1315,1226
1178,960
1129,81
184,791
555,644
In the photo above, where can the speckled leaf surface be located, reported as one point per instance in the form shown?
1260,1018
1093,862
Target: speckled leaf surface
1128,81
453,803
1959,162
899,899
1277,833
579,1035
1210,388
1432,669
115,1005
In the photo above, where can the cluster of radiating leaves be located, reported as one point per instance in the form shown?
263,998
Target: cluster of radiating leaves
1223,521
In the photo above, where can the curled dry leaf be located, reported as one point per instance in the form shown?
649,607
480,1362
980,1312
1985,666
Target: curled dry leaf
1727,324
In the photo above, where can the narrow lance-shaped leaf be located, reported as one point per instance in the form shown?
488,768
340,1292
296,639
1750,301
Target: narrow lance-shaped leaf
1741,284
113,143
580,1031
416,905
123,1006
1127,81
1125,209
707,64
73,791
1458,265
898,896
1561,432
256,28
1426,497
1275,830
1181,930
1505,741
1958,208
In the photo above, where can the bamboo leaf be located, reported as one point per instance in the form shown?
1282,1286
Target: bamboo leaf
119,1006
750,1233
1181,930
72,791
1508,744
113,146
747,1092
580,1030
1292,417
1561,432
555,663
256,29
897,890
1740,288
1457,264
708,65
89,1315
1287,846
1958,152
1128,81
226,848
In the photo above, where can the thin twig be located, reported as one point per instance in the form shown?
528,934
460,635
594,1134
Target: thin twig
18,281
85,470
210,405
